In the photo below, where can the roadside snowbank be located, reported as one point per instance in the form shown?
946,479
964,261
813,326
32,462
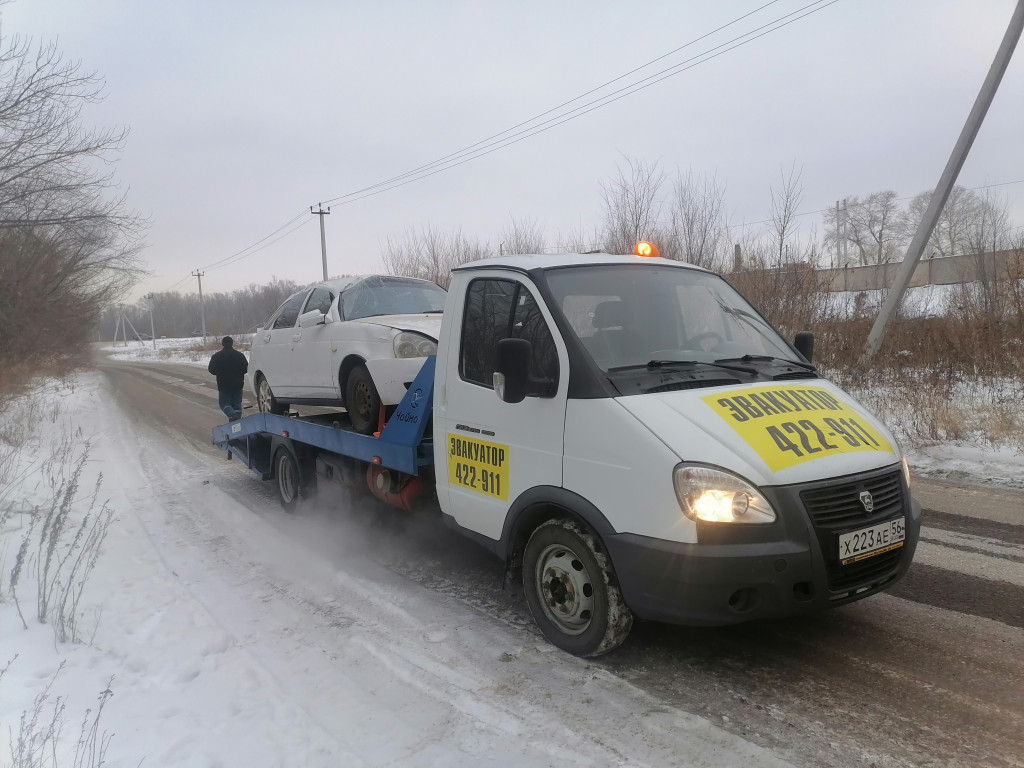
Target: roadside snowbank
232,635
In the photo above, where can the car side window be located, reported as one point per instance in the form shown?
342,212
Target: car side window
289,312
320,299
501,309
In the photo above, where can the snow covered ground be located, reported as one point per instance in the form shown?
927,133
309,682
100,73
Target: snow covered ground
266,649
290,645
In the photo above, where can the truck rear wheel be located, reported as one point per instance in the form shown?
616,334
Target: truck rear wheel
571,590
289,480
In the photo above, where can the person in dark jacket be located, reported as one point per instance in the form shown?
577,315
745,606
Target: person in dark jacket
229,366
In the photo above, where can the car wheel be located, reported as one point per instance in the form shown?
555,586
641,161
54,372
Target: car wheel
362,401
265,399
571,590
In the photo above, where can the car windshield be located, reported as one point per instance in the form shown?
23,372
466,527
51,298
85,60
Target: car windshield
649,314
391,296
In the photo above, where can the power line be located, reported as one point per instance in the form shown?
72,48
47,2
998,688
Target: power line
468,155
222,262
487,141
475,150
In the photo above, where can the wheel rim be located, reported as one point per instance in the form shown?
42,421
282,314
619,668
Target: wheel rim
264,396
565,588
286,478
362,402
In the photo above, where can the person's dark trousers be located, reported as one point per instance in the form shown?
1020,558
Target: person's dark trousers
231,403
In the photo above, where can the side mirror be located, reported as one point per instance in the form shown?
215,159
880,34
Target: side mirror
314,317
512,375
512,379
804,343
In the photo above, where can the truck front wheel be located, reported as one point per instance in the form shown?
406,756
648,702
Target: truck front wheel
571,590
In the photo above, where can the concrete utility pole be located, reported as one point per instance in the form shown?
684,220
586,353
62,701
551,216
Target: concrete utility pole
202,311
946,181
152,327
323,237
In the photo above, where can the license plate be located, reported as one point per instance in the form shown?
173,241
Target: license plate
868,542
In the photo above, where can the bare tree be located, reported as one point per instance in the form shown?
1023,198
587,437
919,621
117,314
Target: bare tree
632,208
522,236
873,225
431,255
782,213
969,222
699,233
67,245
48,159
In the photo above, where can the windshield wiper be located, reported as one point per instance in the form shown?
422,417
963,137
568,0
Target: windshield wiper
765,359
652,364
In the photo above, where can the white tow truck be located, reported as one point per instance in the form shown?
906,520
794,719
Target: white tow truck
635,439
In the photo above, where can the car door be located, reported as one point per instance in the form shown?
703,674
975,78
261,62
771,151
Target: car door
273,357
314,357
496,450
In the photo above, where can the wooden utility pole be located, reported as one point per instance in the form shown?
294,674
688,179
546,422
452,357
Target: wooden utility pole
202,311
323,237
946,182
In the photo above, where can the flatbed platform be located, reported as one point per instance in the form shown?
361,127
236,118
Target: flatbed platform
403,445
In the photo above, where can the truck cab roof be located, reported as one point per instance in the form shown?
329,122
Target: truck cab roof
528,262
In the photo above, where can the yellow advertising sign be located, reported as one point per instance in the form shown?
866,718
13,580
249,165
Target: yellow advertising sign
788,425
478,465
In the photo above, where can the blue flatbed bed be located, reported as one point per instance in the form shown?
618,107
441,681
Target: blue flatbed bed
403,445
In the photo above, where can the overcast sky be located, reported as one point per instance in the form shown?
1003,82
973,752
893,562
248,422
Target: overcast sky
242,115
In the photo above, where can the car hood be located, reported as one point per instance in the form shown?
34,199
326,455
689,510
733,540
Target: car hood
698,425
428,325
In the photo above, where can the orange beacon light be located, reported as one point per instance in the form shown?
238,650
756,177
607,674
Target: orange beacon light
644,248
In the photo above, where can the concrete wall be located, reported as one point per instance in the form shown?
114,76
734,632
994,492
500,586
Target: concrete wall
948,270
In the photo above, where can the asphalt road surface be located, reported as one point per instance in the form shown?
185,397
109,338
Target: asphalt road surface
928,674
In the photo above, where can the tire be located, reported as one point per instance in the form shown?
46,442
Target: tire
265,400
289,479
572,591
362,401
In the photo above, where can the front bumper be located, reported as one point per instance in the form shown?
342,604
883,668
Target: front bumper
791,567
392,376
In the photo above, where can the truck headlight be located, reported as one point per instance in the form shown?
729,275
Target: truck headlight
716,496
906,470
409,344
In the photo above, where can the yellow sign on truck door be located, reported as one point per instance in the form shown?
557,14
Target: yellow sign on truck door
478,466
788,425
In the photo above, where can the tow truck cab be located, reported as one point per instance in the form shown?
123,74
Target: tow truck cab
636,437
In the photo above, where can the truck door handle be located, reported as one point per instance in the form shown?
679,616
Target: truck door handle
297,336
266,338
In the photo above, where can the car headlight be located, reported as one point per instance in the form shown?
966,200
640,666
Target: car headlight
409,344
716,496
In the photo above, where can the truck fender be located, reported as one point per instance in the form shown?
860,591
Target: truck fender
537,505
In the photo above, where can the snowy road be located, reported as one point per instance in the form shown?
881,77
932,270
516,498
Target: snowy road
929,674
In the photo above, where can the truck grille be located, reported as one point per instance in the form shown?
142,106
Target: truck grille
840,506
838,509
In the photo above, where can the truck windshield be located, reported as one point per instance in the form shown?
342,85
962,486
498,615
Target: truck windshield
631,315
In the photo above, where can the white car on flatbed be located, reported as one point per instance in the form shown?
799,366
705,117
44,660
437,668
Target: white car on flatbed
355,342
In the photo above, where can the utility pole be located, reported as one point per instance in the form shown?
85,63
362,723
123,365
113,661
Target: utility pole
840,236
202,311
152,327
323,237
946,181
